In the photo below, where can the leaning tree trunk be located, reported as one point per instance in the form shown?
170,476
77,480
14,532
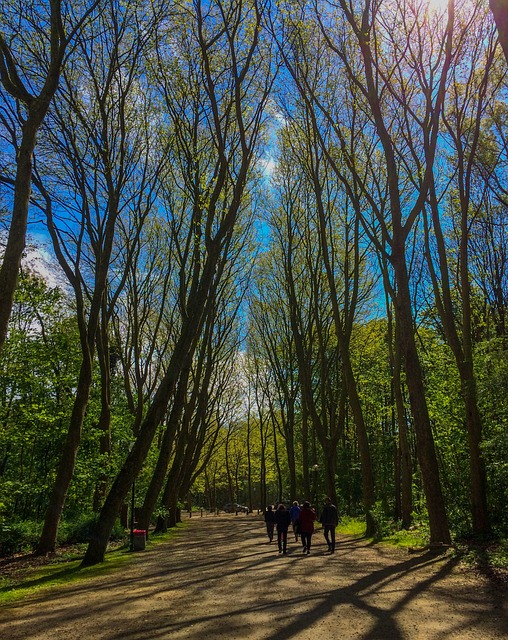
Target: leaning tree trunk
168,439
47,540
132,465
172,490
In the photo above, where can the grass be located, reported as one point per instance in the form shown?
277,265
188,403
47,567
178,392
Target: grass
406,539
417,537
351,527
65,569
487,557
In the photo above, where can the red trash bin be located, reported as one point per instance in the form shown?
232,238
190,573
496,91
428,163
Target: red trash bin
139,539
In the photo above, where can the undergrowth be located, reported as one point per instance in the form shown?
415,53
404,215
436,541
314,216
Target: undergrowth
25,573
487,557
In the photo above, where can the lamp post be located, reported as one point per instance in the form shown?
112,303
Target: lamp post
132,516
315,468
133,491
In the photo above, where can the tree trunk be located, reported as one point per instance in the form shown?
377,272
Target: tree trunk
479,510
262,469
17,232
438,521
405,463
280,489
499,10
361,435
67,462
249,464
168,438
305,452
132,466
104,424
460,343
290,451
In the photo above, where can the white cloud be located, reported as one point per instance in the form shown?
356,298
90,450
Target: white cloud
39,259
269,165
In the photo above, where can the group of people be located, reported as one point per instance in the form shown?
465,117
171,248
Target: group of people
302,519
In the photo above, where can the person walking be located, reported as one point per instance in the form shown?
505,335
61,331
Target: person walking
329,518
282,520
269,521
307,518
294,512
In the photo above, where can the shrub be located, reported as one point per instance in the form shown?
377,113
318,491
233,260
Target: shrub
80,530
382,523
16,537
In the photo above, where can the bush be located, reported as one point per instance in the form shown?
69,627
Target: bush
80,530
384,526
16,537
23,536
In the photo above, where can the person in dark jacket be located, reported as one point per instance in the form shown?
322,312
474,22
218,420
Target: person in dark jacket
282,520
307,518
294,512
269,521
329,519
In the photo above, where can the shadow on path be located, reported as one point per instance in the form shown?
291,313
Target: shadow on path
220,578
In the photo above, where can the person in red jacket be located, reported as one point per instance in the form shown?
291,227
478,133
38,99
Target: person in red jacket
307,518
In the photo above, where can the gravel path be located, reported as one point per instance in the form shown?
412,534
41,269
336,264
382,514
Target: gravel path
220,578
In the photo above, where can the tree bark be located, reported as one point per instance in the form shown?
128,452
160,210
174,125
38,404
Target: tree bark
499,10
159,474
405,463
104,422
438,521
47,540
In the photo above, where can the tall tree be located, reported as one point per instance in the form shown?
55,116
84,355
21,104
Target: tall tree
463,117
105,163
342,255
222,44
33,45
272,366
360,38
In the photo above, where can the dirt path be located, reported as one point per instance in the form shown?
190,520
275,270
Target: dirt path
220,578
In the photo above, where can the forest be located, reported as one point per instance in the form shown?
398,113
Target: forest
253,251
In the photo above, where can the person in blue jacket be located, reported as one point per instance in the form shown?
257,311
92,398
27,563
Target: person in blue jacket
294,512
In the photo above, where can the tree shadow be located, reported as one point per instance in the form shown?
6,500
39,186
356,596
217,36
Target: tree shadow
220,577
65,572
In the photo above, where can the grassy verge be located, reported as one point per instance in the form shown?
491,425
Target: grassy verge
26,575
488,558
351,527
396,538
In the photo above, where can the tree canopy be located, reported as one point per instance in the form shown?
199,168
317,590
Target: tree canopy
279,261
